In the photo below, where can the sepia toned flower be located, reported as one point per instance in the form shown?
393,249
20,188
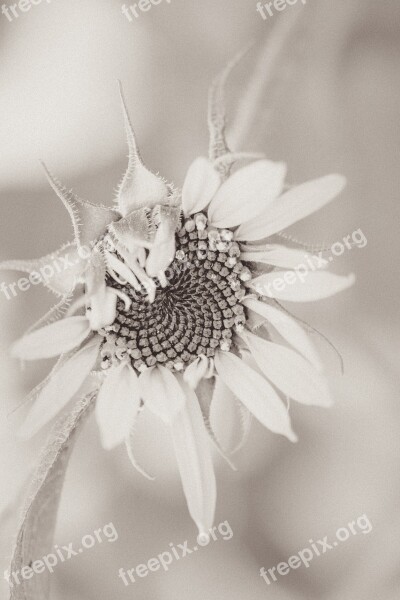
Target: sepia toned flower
172,289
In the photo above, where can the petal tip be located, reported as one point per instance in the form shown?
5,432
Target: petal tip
203,538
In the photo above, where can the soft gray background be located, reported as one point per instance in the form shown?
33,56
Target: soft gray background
337,111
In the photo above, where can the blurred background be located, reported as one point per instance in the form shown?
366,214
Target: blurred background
332,107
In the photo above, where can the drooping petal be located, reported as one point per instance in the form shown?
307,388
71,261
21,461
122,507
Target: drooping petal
136,262
60,388
139,187
162,252
293,206
255,393
287,327
196,371
285,258
103,300
201,184
89,220
289,371
229,419
121,269
96,272
161,393
117,405
59,271
103,308
52,340
247,193
193,454
301,286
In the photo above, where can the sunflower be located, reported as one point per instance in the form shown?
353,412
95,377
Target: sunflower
172,293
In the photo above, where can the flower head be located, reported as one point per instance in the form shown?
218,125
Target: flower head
172,288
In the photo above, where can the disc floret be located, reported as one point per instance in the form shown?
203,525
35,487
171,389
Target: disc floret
197,306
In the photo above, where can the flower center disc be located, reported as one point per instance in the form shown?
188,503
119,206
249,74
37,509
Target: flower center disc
195,310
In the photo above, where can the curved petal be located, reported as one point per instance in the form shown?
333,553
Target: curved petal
246,193
162,252
121,269
60,388
289,371
161,393
287,327
229,419
255,393
52,340
117,405
201,184
193,454
285,258
294,205
301,286
196,371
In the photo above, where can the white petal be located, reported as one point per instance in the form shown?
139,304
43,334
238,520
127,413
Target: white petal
201,184
287,327
246,193
54,339
229,419
301,286
196,371
286,258
298,203
117,405
161,393
193,454
289,371
162,252
121,269
255,392
103,308
61,387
